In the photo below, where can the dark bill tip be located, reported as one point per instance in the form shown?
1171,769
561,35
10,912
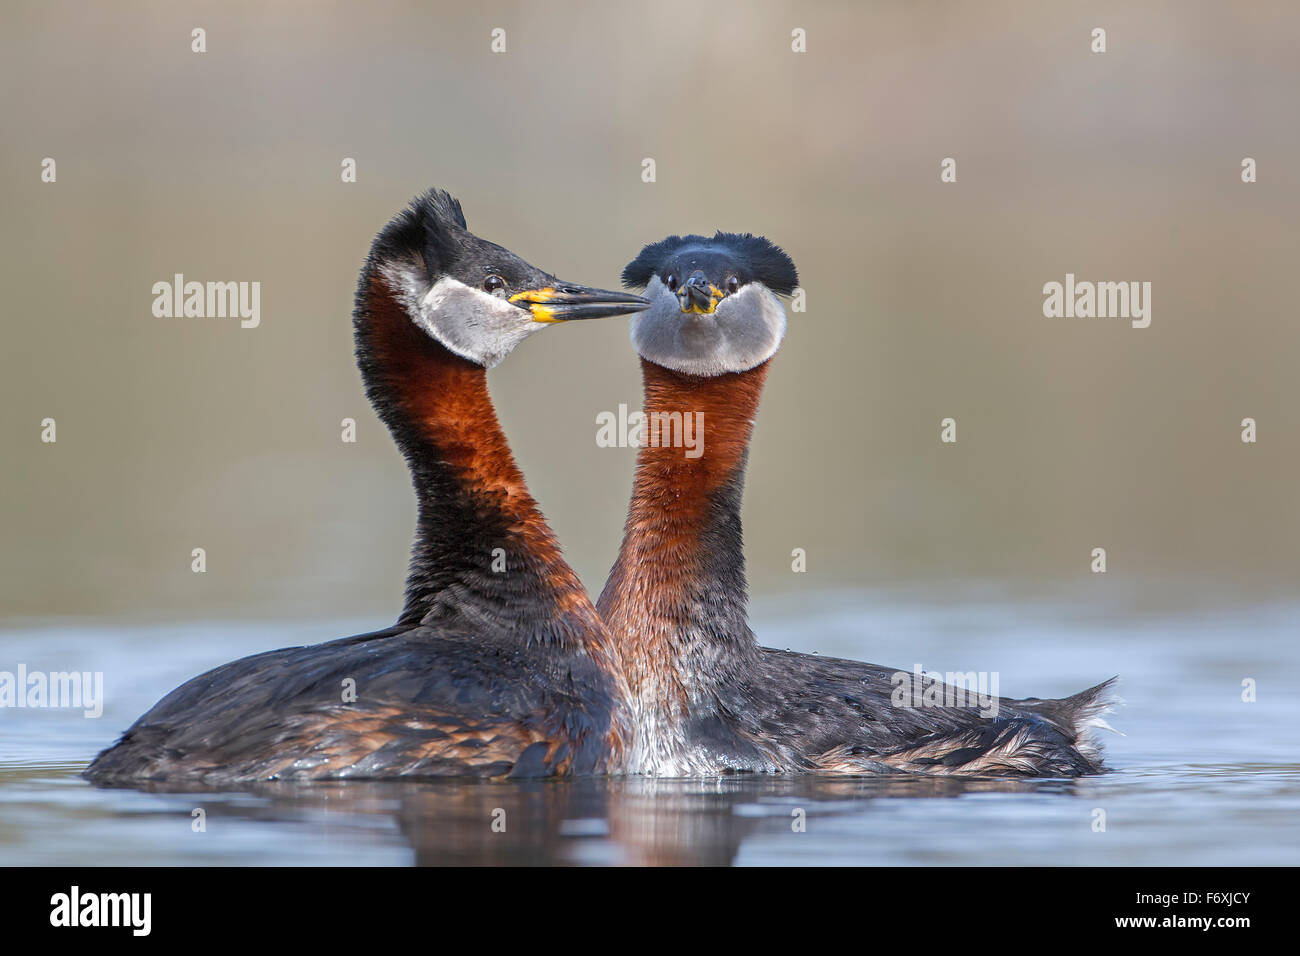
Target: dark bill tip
565,302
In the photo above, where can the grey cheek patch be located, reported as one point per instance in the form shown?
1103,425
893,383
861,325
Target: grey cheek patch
469,322
744,331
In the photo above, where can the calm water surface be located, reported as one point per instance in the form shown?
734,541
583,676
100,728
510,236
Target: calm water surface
1200,777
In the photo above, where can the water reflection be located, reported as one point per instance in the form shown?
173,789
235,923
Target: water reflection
633,820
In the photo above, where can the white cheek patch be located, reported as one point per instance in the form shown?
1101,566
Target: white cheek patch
471,323
745,330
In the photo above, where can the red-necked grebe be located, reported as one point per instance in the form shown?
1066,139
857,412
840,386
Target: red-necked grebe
486,672
706,698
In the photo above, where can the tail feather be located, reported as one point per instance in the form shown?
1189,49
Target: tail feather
1048,738
1090,709
1082,715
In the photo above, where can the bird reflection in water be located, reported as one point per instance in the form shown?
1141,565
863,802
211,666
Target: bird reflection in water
594,820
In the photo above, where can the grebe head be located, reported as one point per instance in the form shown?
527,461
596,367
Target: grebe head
713,302
476,298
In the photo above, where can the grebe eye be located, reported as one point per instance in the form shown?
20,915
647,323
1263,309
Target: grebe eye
672,282
732,285
493,284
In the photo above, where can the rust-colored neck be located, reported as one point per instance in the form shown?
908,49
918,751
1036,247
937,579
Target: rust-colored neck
676,597
483,552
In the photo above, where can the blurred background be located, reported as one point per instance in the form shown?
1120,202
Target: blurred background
924,302
924,299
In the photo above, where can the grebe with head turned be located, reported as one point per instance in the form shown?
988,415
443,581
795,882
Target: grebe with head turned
706,698
484,673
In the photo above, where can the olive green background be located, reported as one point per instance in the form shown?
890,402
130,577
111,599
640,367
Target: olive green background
923,299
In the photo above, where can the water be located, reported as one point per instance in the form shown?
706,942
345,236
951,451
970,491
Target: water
1200,778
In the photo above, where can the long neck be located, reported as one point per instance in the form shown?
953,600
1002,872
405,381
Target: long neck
483,553
676,597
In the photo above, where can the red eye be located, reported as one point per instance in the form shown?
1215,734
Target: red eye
493,284
672,282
